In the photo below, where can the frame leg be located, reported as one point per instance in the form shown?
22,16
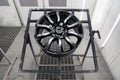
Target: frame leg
32,51
85,53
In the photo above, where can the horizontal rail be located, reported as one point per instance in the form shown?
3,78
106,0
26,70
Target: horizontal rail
53,9
35,20
62,72
57,65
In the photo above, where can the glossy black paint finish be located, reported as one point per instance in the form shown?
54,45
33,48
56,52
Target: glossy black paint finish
57,25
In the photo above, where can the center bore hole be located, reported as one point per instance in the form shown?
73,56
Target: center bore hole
59,30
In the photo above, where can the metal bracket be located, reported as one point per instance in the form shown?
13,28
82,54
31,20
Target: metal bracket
98,33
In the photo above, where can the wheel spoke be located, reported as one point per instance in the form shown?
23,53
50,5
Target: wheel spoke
72,45
49,19
59,47
73,25
49,43
58,16
75,34
44,26
68,18
43,35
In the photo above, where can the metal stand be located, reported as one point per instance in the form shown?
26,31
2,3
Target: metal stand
5,57
91,42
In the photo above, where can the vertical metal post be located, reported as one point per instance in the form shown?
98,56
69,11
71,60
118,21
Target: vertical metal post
92,41
32,49
25,40
85,53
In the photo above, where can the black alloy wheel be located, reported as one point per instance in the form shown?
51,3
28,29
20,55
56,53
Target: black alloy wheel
61,30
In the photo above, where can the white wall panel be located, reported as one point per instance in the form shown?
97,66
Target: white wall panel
84,4
76,3
112,16
115,68
23,10
101,11
90,4
105,18
112,47
8,15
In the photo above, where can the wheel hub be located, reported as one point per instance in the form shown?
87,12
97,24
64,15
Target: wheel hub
59,30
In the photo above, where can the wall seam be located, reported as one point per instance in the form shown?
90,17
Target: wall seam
115,58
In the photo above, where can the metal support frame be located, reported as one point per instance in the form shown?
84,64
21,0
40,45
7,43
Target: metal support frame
91,42
5,57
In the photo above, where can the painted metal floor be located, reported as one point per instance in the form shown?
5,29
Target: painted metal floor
7,36
47,60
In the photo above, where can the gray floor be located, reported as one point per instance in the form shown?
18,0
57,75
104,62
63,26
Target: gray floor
15,51
7,36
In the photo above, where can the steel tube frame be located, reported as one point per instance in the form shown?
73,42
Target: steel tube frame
91,41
